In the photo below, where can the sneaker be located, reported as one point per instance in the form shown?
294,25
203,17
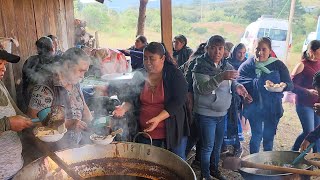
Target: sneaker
217,174
238,152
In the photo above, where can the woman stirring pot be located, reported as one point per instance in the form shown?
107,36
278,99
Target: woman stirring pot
159,101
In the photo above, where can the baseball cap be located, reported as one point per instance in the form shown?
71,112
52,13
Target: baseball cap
8,56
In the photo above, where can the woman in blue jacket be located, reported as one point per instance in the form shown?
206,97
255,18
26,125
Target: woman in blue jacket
266,109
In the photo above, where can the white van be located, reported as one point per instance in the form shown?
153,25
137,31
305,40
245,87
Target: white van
275,29
311,36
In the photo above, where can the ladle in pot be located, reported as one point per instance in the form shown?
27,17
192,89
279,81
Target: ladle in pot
234,163
52,117
114,133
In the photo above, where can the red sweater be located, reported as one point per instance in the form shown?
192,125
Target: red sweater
303,81
151,106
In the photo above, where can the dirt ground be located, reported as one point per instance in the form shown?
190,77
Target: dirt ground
288,130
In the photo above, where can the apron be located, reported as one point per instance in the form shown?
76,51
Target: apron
10,152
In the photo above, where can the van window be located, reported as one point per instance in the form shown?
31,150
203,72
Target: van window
274,34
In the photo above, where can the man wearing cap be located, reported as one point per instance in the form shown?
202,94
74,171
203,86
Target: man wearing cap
12,120
213,81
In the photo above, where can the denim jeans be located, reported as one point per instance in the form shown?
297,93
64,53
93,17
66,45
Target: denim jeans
179,150
262,127
309,121
211,135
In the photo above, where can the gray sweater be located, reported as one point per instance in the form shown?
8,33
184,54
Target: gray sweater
212,94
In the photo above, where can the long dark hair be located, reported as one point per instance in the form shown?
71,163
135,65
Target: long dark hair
200,50
142,38
313,46
181,38
236,49
265,40
160,49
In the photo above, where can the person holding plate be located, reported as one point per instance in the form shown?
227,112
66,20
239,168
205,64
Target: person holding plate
265,111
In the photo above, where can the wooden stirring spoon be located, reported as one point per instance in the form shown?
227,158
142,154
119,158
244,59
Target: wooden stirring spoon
235,163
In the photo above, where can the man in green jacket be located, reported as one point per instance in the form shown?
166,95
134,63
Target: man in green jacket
12,121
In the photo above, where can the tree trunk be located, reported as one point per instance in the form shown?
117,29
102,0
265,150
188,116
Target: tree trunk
142,17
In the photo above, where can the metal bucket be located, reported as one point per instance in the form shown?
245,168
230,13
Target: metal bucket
125,159
279,158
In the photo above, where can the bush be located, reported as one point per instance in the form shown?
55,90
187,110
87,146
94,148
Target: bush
200,30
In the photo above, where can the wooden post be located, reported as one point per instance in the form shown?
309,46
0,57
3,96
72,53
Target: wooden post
166,24
293,4
96,34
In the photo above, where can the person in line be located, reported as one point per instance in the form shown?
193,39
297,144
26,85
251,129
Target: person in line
157,97
227,50
56,45
266,109
213,79
233,130
62,88
136,52
181,52
306,95
12,120
193,139
313,136
37,67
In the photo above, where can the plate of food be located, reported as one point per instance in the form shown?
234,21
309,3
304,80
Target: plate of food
313,159
274,87
48,134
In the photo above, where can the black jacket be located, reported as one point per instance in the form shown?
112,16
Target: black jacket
182,55
175,91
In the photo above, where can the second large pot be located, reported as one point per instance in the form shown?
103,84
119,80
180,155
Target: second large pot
278,158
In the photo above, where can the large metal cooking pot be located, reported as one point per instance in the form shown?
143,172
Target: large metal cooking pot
125,158
279,158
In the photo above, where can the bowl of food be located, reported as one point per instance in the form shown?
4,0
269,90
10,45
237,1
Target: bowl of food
104,140
313,159
101,140
273,87
48,134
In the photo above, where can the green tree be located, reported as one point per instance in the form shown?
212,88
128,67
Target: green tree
96,16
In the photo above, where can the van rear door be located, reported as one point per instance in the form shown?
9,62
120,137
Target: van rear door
278,37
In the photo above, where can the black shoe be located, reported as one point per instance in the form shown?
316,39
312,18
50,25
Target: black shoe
238,152
217,174
208,178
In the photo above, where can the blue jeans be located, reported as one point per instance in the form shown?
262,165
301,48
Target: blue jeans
262,127
179,150
309,121
211,135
